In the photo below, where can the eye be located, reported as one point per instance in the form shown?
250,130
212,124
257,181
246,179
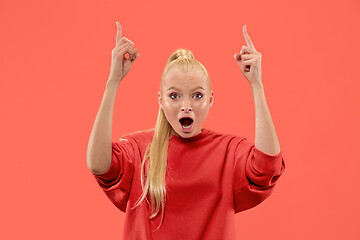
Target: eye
173,94
199,94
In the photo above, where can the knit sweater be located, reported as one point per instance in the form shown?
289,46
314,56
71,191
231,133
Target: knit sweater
210,177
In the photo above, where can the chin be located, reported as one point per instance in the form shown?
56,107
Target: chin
183,134
188,134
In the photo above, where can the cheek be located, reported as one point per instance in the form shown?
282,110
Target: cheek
170,105
201,110
201,106
171,108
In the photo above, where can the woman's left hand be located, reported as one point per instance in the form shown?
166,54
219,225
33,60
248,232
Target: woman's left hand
249,60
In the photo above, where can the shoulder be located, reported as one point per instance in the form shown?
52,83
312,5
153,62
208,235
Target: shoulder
231,143
227,137
143,136
224,140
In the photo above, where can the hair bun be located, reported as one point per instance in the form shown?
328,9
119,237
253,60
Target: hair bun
181,53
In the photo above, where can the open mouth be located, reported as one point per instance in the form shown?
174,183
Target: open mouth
186,122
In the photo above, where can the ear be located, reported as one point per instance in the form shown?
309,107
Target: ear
160,100
212,98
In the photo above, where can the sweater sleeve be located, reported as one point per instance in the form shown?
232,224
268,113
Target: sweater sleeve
116,182
255,174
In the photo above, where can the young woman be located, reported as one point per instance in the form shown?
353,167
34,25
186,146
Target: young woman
195,178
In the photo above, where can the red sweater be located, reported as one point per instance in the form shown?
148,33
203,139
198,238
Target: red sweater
210,178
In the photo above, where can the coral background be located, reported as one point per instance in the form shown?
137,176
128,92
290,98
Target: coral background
54,64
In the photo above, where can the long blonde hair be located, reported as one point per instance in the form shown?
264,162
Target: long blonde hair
156,151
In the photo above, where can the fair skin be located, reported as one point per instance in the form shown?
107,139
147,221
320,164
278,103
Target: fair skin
249,60
185,100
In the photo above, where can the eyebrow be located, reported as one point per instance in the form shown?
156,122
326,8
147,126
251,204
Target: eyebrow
180,90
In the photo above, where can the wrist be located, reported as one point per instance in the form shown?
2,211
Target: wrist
257,85
112,83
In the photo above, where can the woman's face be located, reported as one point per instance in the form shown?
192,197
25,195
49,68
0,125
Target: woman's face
185,94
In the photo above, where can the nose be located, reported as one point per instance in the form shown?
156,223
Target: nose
186,107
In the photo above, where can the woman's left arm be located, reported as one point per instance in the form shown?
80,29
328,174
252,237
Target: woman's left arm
249,61
265,134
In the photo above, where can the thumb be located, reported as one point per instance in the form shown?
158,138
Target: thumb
237,56
136,55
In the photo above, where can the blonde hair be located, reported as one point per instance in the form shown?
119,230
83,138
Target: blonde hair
156,151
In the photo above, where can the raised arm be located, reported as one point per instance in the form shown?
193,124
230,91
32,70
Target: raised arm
98,156
249,60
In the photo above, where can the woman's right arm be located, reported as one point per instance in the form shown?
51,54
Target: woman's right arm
99,147
99,150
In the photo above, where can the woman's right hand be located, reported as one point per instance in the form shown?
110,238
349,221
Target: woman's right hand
120,65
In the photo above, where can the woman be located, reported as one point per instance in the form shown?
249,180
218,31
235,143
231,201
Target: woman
198,178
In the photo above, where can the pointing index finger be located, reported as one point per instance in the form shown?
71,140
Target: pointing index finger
247,38
118,34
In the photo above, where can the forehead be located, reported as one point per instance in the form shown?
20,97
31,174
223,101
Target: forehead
180,78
